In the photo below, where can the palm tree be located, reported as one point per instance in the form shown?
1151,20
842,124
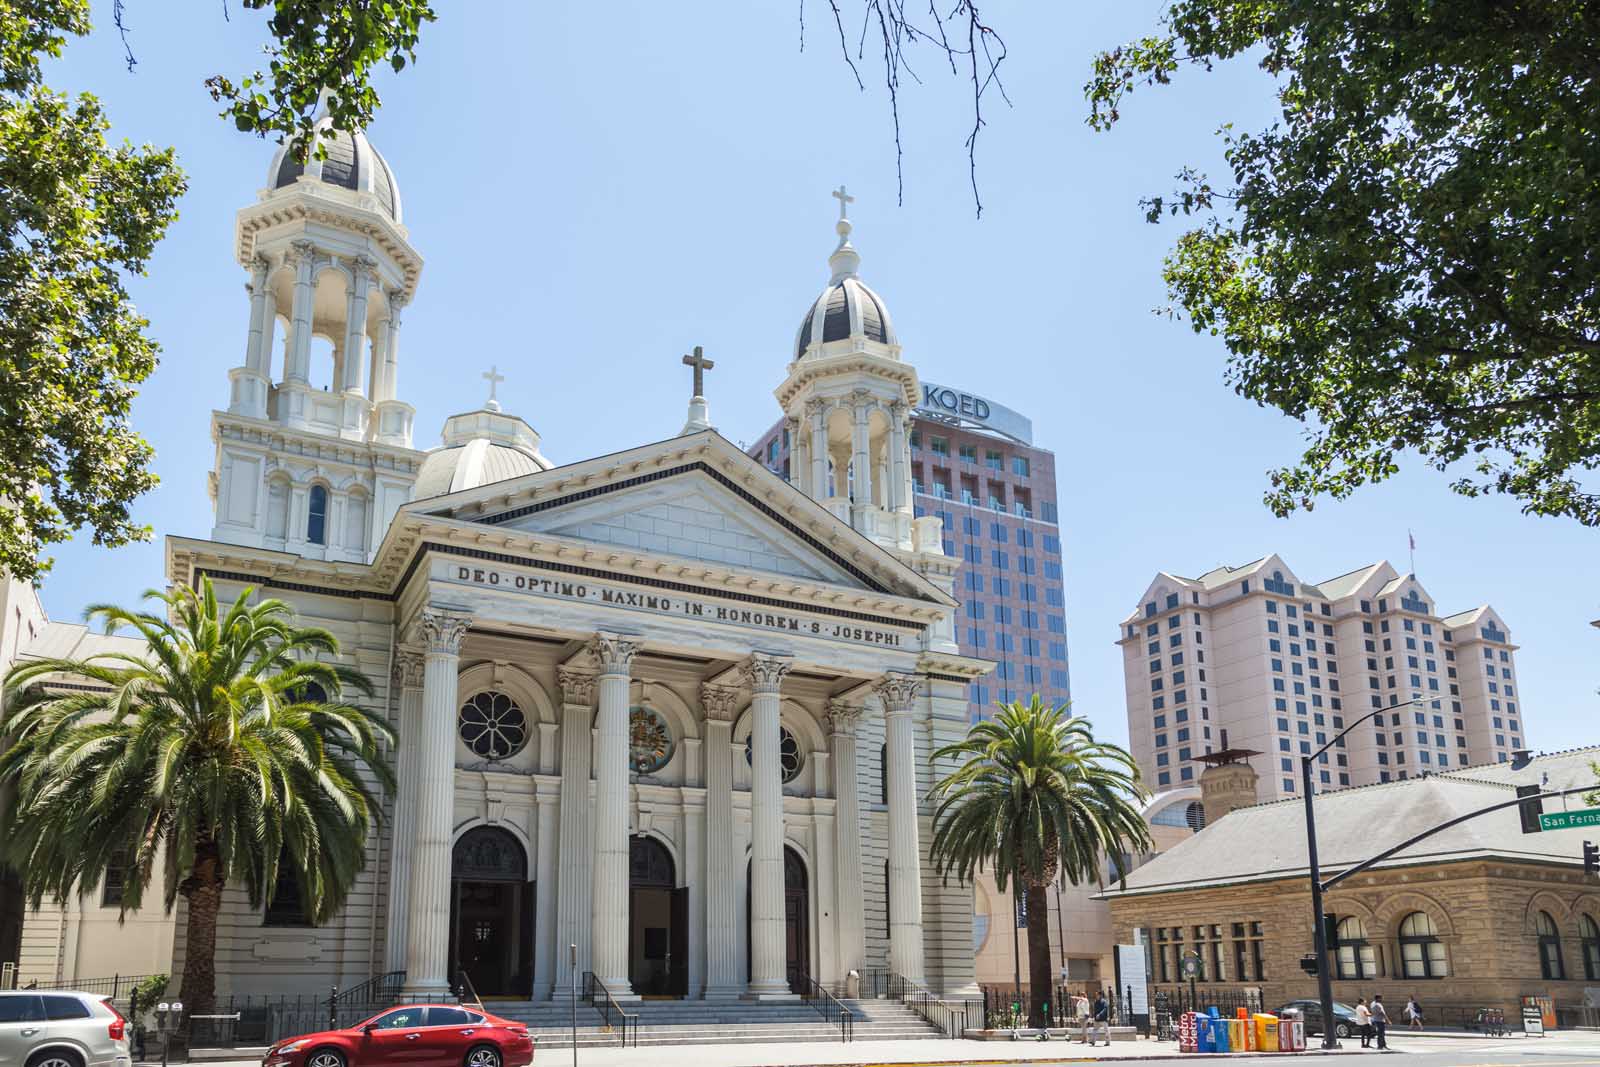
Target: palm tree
1035,797
220,753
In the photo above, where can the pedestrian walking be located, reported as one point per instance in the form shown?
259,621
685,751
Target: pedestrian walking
1364,1022
1380,1020
1080,1011
1413,1013
1102,1017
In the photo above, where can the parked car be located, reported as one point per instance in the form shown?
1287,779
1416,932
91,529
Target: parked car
61,1028
1344,1016
413,1035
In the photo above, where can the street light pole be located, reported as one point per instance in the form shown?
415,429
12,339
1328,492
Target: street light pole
1318,927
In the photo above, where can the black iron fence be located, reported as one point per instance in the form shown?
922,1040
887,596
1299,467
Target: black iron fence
1007,1008
596,994
949,1016
255,1020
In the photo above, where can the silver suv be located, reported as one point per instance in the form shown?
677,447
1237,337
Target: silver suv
61,1028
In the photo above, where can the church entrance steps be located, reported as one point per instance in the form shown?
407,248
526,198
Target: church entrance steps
699,1022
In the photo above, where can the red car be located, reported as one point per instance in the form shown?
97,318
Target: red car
415,1035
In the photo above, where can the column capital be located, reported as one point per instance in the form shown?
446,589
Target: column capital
613,652
442,632
841,718
897,691
816,406
765,672
721,702
301,252
577,687
260,265
407,670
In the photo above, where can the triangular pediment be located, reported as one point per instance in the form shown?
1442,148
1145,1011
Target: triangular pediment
696,499
688,517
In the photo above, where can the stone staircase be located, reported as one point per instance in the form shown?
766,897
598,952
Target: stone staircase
703,1022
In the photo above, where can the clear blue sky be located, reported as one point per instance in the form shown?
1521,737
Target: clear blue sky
596,192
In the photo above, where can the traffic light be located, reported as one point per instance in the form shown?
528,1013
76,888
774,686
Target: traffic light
1530,809
1308,963
1591,858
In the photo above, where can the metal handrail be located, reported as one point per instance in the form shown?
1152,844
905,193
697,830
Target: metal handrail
826,1005
361,993
590,985
468,989
950,1017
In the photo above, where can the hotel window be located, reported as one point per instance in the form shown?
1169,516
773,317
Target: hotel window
1020,466
1589,938
1551,966
968,453
1422,954
939,446
995,461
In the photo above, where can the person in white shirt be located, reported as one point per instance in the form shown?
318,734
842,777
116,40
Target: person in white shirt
1364,1022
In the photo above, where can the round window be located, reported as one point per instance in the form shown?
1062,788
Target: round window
789,759
493,726
649,740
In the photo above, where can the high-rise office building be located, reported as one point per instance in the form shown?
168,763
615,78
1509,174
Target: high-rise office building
1282,665
974,464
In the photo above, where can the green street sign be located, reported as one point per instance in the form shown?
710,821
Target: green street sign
1566,820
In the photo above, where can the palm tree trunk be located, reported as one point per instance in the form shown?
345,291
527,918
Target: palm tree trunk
203,892
1040,980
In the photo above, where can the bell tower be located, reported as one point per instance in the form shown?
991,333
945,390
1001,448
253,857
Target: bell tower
313,455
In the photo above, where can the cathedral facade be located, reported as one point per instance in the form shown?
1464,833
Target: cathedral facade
663,717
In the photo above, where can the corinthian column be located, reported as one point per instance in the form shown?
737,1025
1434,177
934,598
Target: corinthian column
574,907
721,703
297,366
861,452
842,719
817,412
768,959
355,328
898,693
614,654
428,918
407,680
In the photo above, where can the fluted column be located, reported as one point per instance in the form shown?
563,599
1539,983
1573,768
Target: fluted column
258,313
297,365
817,411
407,680
386,380
614,656
861,455
355,328
898,693
721,703
768,959
574,902
428,916
842,720
899,459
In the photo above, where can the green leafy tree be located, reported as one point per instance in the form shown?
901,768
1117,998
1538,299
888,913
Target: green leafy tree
1036,796
218,754
79,215
1408,257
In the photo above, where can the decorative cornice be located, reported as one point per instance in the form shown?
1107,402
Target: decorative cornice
765,672
841,717
613,652
442,632
898,692
721,702
577,687
407,671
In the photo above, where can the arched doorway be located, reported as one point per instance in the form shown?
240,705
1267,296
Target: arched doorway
491,906
796,919
658,922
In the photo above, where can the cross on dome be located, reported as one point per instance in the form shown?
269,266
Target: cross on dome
494,378
700,364
844,199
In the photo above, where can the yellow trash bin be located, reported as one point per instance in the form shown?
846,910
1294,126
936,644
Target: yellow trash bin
1266,1033
1236,1031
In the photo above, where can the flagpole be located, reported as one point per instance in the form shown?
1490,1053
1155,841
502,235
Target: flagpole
1411,540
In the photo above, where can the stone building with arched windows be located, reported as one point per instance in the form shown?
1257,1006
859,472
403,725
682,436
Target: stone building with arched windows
1476,916
640,698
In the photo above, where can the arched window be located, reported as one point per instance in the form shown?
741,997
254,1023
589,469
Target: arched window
1195,816
1589,936
492,725
317,516
790,760
1422,954
1358,958
1551,965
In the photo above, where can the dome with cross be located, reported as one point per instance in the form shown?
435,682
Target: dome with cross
349,162
847,310
479,448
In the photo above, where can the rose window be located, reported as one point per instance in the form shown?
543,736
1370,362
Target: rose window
789,760
649,740
493,726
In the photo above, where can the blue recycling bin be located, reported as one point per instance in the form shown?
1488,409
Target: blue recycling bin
1204,1034
1219,1034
